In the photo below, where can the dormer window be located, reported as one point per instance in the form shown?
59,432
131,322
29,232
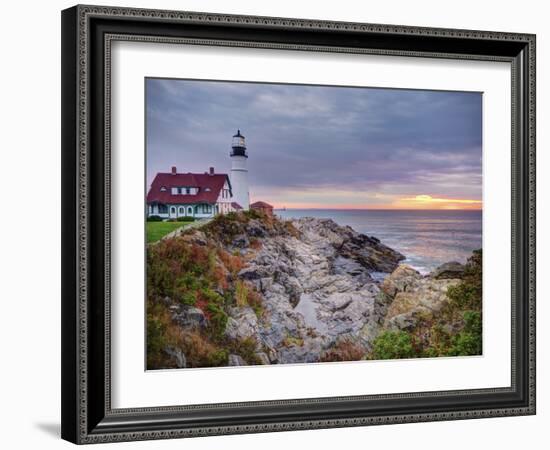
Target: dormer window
163,189
182,190
207,189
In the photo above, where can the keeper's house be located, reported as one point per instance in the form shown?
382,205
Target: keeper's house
174,195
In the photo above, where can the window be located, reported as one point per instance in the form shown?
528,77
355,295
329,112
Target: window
190,211
163,189
173,210
181,211
187,191
163,209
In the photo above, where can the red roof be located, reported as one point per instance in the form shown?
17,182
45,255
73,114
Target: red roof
209,187
261,205
235,205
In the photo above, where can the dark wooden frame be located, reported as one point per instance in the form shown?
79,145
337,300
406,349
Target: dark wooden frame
87,32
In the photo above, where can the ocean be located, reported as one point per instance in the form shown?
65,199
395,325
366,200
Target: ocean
427,238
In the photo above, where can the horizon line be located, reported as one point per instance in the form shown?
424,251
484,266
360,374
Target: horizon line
379,209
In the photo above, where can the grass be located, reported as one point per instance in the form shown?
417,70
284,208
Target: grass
156,230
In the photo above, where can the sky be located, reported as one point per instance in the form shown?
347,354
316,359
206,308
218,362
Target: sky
324,146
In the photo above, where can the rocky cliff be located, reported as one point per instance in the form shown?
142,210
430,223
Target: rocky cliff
304,290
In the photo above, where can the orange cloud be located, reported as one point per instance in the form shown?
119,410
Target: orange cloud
428,202
354,200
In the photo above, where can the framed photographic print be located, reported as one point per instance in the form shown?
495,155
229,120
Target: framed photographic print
279,224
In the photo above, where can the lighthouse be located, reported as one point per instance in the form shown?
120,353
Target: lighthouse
239,171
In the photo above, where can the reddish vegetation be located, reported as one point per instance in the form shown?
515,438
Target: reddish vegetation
344,350
233,263
255,244
197,270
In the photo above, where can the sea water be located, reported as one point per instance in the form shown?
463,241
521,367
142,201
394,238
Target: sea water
426,238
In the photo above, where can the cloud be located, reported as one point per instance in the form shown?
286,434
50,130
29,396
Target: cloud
326,139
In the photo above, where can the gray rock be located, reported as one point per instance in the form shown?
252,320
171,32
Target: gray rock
450,270
337,271
236,360
401,322
413,297
368,252
255,228
294,290
177,356
325,262
242,324
309,350
266,283
190,317
254,272
399,279
240,241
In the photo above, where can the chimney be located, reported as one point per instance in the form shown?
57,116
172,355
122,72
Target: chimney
174,171
211,171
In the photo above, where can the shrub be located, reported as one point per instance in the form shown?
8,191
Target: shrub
254,214
246,348
154,219
291,229
202,274
458,328
156,340
225,227
211,296
292,340
344,350
255,300
393,345
219,277
188,298
233,263
218,320
468,293
200,352
469,341
255,243
185,219
241,293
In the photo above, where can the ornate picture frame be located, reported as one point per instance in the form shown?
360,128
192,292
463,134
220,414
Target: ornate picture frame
88,33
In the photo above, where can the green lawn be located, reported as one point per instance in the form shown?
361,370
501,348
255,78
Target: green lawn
156,230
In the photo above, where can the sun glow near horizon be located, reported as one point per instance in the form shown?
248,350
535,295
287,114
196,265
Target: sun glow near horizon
424,201
418,202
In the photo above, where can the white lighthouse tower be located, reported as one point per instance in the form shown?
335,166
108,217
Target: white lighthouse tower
239,171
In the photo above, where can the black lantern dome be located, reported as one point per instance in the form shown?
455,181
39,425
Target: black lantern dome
238,145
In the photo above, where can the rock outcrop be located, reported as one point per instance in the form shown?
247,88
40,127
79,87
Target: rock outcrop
450,270
413,297
324,289
188,316
242,324
316,286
